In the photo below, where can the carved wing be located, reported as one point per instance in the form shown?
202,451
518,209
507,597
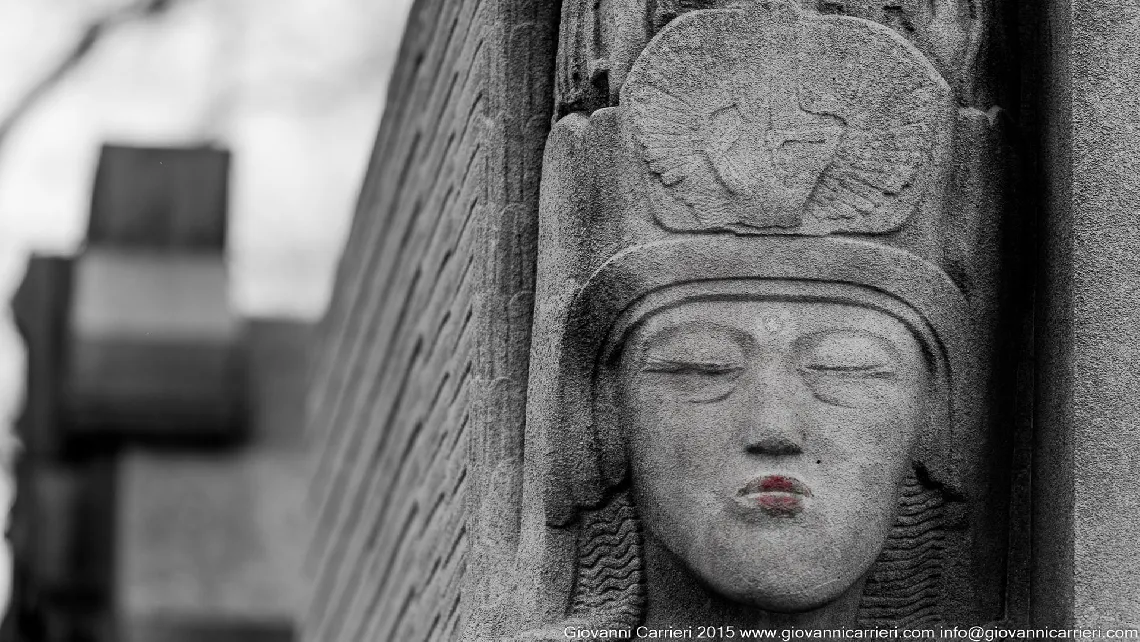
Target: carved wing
679,145
711,205
869,169
668,129
724,128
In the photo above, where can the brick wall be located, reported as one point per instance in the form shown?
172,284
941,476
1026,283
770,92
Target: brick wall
418,391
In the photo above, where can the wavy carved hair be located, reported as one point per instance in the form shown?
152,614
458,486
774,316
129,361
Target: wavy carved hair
903,589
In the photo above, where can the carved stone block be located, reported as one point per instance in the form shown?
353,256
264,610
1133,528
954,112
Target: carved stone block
767,293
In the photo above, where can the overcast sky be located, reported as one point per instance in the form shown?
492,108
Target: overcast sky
293,87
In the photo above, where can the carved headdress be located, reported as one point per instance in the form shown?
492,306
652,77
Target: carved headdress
782,123
754,148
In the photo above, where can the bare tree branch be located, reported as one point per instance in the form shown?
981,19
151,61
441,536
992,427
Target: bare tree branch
91,36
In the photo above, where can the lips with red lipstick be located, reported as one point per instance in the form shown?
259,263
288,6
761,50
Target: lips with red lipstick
776,495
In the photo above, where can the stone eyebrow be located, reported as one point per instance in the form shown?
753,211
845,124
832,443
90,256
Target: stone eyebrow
738,337
814,340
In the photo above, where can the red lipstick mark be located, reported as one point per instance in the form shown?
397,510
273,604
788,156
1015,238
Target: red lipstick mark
780,505
776,495
778,484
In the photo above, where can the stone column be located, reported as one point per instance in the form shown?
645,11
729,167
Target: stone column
1086,517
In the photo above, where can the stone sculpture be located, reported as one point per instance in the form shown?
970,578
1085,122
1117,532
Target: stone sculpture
766,294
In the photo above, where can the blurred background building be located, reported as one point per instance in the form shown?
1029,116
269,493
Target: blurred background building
184,173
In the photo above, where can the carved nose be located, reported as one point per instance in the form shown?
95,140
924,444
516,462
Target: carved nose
773,445
771,421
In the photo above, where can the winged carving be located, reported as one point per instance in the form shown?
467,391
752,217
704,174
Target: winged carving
806,142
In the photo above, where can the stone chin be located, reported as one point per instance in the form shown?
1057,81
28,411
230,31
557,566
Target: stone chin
781,568
793,577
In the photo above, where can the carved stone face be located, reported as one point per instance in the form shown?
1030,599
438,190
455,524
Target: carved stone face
767,440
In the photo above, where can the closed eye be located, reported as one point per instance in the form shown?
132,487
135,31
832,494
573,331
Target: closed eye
668,366
862,370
